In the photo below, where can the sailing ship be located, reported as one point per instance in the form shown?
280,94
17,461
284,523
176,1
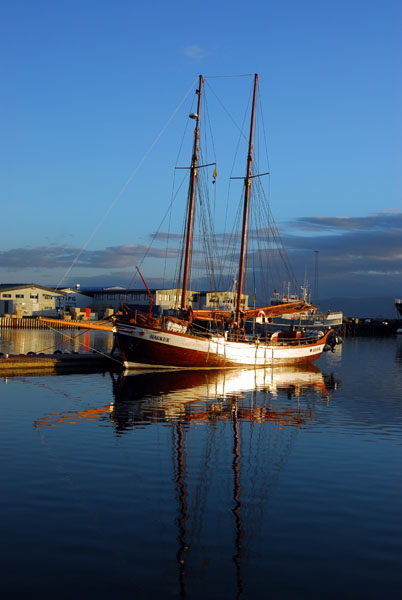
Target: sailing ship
178,341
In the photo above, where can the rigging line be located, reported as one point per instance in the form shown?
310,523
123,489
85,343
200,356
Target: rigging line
233,76
166,250
276,237
63,342
195,220
206,228
208,127
241,135
229,246
126,184
263,129
282,252
168,232
178,274
156,233
227,112
94,349
223,249
184,136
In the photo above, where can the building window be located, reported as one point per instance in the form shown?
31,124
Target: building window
6,295
34,296
19,295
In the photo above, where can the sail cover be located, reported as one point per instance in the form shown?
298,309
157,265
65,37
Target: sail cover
251,313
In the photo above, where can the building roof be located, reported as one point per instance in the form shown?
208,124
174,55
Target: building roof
118,291
4,287
71,290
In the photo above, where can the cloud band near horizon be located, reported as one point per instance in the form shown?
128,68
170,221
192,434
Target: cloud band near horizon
364,251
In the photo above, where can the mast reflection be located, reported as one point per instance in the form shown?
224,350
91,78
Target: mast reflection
237,502
181,490
251,456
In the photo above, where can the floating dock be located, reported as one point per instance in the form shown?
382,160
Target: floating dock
41,364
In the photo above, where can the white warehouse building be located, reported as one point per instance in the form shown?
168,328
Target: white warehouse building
27,300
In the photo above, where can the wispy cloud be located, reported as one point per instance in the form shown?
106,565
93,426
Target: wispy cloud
56,257
363,255
195,52
162,236
391,219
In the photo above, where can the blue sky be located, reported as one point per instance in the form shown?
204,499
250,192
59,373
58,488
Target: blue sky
88,87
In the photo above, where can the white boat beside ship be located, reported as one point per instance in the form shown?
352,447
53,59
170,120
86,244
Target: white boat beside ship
311,319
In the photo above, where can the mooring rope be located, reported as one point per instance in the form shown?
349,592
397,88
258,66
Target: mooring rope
90,347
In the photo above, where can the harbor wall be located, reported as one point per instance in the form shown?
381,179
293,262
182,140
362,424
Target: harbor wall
370,327
13,322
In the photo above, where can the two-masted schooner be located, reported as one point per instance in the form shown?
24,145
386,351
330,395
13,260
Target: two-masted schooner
175,342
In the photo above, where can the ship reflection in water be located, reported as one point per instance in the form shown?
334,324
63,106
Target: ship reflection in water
230,406
144,397
229,435
202,396
238,397
239,400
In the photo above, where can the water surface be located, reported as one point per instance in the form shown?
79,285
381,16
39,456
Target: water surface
239,484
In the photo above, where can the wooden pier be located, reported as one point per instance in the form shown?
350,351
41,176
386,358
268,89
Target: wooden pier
44,364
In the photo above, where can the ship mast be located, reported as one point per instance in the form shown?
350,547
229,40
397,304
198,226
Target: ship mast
247,184
191,196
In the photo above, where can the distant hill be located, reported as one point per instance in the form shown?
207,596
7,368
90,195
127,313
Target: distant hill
362,307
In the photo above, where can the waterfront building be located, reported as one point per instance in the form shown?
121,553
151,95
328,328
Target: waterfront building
74,298
27,300
164,299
